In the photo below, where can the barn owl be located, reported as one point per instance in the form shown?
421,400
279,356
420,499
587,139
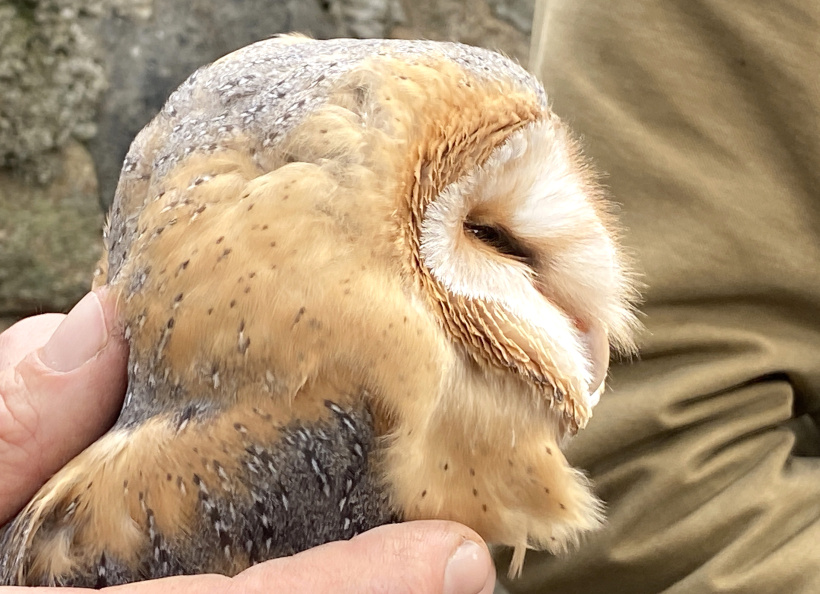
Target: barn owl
362,282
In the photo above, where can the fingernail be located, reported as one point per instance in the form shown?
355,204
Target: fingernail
468,570
80,336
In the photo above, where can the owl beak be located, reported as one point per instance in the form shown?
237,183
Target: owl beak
596,341
595,397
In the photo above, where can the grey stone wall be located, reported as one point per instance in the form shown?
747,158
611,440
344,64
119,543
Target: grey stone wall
502,25
79,79
51,79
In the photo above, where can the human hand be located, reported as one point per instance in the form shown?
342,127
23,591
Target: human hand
62,379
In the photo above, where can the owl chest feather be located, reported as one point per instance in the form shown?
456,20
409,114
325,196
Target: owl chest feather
196,490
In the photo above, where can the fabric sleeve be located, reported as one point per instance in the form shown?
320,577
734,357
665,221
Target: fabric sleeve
705,117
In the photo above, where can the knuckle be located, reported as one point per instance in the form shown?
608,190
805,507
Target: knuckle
19,418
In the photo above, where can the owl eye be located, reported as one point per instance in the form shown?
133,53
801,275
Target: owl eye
500,240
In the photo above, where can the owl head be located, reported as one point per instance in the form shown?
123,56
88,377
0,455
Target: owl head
407,221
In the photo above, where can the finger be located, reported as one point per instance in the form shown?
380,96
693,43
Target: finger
25,336
434,557
59,398
431,557
425,557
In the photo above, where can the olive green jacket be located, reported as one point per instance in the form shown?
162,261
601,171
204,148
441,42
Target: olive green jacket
706,117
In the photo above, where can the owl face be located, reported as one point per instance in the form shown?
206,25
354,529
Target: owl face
527,234
505,231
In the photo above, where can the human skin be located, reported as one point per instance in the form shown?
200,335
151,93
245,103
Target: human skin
62,381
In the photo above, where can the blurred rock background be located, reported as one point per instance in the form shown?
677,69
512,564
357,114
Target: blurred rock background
79,79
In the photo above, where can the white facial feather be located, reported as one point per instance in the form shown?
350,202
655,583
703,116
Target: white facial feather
551,202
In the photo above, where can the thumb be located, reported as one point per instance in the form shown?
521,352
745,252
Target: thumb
423,556
57,399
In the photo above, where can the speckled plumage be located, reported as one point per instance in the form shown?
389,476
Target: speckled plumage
362,281
261,93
